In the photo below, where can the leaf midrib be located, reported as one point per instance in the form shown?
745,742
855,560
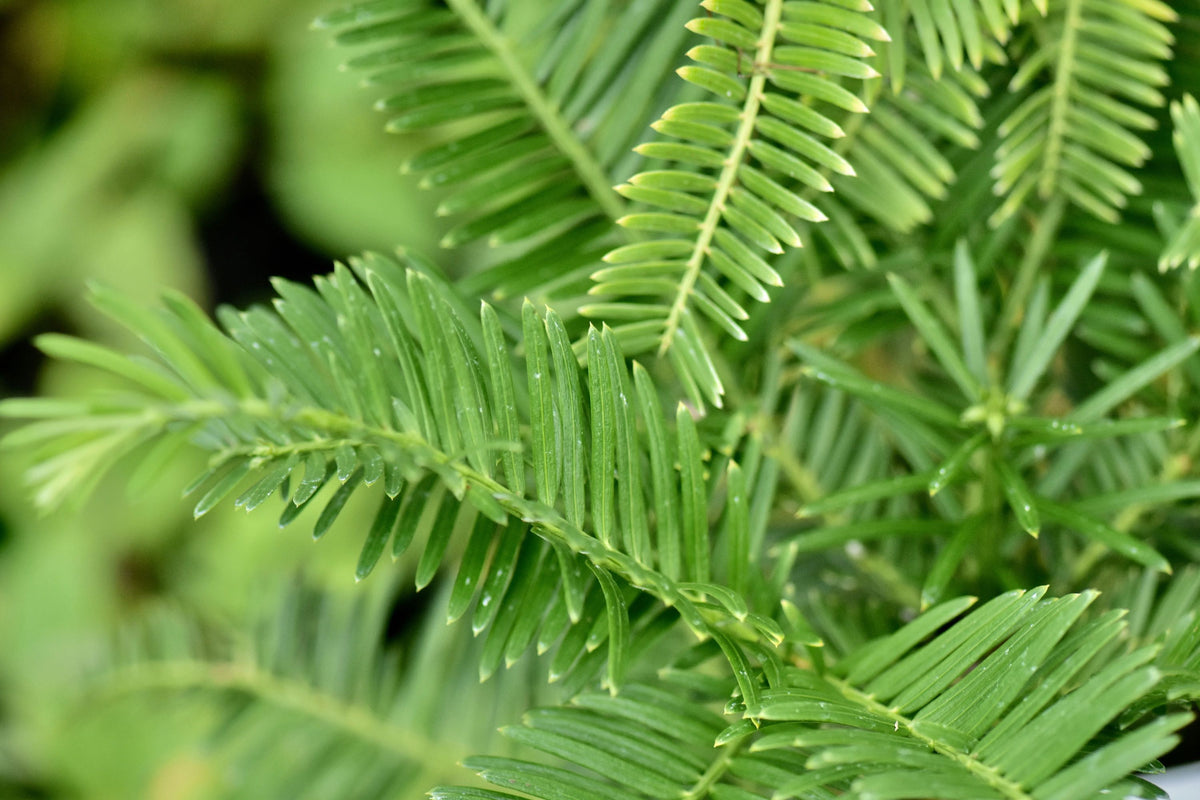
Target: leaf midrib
988,774
729,173
1059,104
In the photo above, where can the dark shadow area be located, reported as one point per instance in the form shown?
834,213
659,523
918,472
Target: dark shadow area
408,608
1188,751
245,243
21,361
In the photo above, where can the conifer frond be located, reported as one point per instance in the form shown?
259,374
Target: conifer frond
1073,136
550,108
714,212
1019,700
379,376
1184,244
314,692
654,741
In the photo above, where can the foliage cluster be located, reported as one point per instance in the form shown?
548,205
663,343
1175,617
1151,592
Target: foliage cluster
844,449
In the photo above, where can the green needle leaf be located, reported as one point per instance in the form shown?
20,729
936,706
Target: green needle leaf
970,318
1118,542
1026,373
1020,499
377,537
935,336
953,465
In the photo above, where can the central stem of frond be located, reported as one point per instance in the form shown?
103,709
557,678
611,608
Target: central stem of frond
1063,78
992,777
729,172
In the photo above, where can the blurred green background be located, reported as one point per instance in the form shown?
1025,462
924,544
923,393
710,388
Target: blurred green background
203,145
